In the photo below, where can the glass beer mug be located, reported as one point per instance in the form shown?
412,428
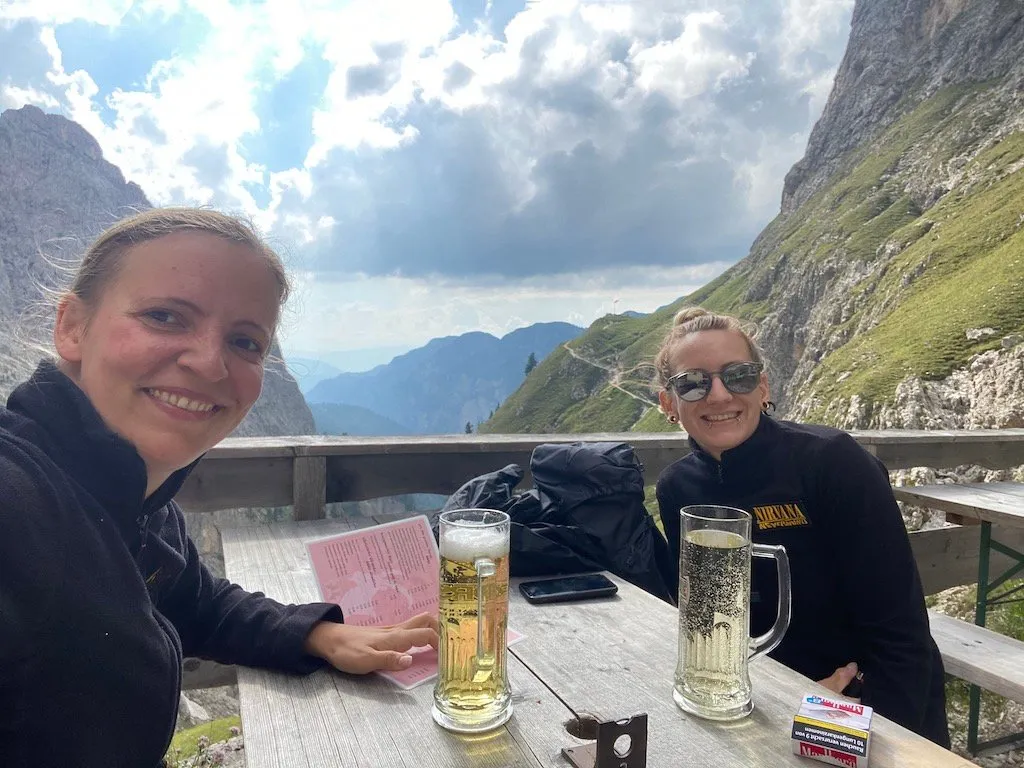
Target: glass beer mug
715,646
472,692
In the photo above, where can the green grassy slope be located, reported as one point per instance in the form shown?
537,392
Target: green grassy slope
930,275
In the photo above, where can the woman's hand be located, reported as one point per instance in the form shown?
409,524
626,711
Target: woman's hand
841,678
364,649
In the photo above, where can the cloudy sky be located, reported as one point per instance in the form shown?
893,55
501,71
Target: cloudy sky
430,167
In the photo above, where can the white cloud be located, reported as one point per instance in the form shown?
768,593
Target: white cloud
15,97
694,62
105,12
586,134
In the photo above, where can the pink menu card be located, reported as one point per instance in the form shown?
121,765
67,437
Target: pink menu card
379,575
384,575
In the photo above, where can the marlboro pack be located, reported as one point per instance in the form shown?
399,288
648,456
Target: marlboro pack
832,731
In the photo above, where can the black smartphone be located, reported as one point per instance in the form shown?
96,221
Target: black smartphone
564,588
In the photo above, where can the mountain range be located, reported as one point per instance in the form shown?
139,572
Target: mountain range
889,290
444,385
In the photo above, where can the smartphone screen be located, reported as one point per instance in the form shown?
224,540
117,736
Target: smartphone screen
568,588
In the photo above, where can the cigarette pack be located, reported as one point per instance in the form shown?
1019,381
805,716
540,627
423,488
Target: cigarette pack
832,731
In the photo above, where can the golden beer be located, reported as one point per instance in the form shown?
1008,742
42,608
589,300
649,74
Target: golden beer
713,632
715,646
472,692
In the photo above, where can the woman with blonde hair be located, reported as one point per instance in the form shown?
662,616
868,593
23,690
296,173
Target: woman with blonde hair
160,349
859,616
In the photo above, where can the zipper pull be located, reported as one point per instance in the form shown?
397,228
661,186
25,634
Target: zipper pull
143,534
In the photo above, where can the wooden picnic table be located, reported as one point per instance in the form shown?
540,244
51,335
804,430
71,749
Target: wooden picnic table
611,658
999,503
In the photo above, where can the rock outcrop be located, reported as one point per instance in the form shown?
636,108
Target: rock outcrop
898,55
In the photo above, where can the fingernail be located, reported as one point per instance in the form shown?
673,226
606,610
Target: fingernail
405,660
851,667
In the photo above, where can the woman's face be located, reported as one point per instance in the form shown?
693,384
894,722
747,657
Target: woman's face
723,419
171,355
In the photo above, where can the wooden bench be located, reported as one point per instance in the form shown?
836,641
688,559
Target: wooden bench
985,658
980,656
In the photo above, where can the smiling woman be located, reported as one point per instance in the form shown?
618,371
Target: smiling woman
160,343
172,356
816,492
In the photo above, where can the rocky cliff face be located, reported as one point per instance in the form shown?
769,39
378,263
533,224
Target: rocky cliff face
56,194
907,198
898,55
900,239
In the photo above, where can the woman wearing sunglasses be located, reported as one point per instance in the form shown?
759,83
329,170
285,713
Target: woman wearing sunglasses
859,618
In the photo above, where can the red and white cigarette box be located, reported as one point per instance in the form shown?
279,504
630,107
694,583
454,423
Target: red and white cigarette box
833,731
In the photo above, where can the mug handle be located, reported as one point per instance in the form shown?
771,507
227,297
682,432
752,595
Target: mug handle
485,568
770,640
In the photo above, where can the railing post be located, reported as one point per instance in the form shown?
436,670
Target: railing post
309,487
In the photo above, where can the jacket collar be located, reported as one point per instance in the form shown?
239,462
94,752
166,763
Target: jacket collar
748,461
101,461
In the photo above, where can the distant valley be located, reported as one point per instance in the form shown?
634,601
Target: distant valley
438,388
342,419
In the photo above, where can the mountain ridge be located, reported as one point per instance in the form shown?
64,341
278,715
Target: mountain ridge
448,382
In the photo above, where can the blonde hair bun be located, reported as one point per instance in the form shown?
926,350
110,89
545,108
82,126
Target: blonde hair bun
686,314
695,320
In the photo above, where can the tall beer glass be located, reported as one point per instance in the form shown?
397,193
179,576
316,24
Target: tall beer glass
714,611
472,692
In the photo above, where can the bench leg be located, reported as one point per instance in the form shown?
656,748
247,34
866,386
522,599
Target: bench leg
980,604
984,600
1000,745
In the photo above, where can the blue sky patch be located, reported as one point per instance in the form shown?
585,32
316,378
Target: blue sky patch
122,56
285,110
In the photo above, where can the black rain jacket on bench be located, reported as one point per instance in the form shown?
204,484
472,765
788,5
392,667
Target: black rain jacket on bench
586,513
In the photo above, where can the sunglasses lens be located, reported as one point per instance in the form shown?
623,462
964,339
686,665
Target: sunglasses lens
692,385
741,378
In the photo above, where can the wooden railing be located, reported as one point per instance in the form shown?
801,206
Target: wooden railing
306,472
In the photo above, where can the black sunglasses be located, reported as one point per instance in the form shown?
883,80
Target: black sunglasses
738,378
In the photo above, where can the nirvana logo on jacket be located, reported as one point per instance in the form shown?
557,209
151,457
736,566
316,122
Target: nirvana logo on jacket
780,516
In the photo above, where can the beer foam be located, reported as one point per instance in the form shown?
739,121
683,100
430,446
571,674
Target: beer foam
468,543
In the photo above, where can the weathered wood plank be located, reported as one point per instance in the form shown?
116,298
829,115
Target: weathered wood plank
948,557
258,471
309,487
326,445
978,655
238,482
331,719
993,502
616,658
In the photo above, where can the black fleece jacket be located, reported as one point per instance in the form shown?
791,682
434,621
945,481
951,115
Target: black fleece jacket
857,594
102,593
